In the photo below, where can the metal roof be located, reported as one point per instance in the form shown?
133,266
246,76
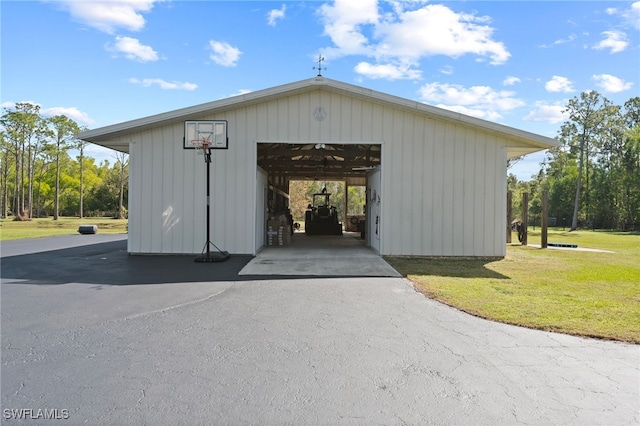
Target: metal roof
102,135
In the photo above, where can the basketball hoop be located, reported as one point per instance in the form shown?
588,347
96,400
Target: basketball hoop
201,145
204,137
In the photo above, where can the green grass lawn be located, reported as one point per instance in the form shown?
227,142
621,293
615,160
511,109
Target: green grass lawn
47,227
569,291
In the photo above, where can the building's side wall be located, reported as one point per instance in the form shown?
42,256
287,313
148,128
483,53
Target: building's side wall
166,196
443,185
167,201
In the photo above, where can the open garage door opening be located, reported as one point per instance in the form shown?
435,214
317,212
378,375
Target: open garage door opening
314,191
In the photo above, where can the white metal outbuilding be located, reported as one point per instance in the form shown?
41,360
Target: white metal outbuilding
438,187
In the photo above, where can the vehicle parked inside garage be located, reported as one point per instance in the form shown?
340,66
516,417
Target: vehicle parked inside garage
321,218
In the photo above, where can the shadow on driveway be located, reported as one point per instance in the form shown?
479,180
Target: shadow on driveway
109,263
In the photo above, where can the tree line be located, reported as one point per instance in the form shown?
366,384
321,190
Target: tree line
39,178
593,176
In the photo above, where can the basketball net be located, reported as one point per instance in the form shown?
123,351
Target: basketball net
201,145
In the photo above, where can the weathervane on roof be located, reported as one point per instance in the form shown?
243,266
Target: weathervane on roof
320,67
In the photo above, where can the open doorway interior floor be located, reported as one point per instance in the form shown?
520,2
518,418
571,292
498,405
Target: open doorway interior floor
320,255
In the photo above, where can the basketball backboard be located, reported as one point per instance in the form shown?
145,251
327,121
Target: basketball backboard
214,131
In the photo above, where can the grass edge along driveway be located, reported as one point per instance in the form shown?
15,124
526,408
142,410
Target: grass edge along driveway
581,293
47,227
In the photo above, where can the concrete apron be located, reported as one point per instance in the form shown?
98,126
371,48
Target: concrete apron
320,255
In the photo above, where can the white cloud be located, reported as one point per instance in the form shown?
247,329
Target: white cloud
559,41
109,16
610,83
616,41
479,101
559,84
343,21
569,39
387,71
510,81
274,15
222,53
132,49
73,113
547,113
166,85
401,37
633,15
446,70
437,30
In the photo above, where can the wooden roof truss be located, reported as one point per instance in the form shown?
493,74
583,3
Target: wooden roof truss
318,161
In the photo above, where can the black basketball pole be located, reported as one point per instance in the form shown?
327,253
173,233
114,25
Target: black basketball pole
220,256
207,159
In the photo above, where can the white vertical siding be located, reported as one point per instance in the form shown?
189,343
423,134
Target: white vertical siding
442,185
148,190
189,197
458,191
449,172
163,196
500,222
444,189
156,174
417,184
469,146
167,206
479,195
436,163
426,185
134,212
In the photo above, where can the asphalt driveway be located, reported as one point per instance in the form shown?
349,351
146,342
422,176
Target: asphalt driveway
95,336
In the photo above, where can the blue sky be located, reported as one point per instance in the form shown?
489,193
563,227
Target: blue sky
513,62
